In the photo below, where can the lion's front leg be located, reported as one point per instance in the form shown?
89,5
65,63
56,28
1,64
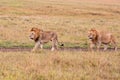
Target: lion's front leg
91,46
98,45
41,46
37,44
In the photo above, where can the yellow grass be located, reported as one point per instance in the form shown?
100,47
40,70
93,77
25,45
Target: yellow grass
70,19
62,65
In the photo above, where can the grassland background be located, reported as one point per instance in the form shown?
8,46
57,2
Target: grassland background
71,19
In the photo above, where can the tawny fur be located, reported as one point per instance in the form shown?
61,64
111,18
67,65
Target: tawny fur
101,37
41,37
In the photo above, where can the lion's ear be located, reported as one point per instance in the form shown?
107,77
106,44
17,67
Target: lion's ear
37,31
93,29
96,32
33,29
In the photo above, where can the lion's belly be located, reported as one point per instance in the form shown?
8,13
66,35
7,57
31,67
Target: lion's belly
106,39
48,36
45,39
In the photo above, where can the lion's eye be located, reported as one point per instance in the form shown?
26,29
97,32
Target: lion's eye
32,33
90,33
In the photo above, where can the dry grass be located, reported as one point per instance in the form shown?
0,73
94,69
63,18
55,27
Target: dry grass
66,17
63,65
71,19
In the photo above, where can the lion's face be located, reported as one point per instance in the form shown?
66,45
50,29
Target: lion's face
34,35
92,34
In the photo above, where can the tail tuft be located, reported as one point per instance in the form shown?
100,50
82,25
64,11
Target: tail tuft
62,45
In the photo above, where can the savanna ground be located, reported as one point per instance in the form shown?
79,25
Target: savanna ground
71,19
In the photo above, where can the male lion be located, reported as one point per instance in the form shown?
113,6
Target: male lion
101,37
41,37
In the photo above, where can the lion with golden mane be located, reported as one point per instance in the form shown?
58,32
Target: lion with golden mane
101,37
41,37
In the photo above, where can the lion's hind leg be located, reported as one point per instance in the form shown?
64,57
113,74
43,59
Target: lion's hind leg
114,43
54,45
105,47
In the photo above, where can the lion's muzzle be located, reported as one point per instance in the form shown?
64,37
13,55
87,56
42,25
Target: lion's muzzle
31,37
90,37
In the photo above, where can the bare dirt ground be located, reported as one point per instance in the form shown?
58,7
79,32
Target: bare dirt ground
20,49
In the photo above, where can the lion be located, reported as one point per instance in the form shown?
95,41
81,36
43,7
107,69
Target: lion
101,37
41,37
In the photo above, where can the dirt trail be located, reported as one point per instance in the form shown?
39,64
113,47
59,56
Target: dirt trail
14,49
19,49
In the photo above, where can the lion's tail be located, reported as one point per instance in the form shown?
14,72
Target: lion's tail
59,44
114,42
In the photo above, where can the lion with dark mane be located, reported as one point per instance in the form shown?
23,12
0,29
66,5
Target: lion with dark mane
101,37
41,37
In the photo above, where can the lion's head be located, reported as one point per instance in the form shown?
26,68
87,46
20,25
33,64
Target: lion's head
35,33
92,34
